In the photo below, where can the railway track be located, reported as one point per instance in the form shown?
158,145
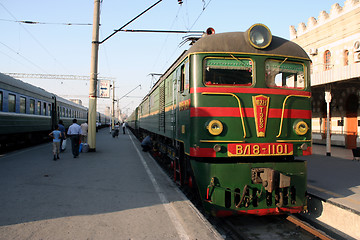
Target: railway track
250,227
286,227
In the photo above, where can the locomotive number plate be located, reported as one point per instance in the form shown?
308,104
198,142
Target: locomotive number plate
259,149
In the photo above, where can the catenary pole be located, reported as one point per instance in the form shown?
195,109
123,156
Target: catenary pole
93,78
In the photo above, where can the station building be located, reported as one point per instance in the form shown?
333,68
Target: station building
332,41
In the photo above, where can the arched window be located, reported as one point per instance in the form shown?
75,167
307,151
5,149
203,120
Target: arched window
346,57
327,60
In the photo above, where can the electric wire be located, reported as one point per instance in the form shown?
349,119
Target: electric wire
204,7
38,42
29,61
49,23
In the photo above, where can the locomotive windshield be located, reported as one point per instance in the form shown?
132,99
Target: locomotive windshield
228,72
281,74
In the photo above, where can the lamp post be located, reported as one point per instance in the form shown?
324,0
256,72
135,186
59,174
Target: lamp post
328,140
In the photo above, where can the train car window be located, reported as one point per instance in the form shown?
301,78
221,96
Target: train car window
187,76
39,108
22,105
228,72
182,78
1,101
49,109
44,109
32,106
282,74
12,103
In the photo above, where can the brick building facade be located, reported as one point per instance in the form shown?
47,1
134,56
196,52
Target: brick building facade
333,43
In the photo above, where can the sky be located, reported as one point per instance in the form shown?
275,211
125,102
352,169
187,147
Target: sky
61,41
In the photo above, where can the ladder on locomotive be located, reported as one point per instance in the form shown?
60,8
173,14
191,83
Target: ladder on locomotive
162,109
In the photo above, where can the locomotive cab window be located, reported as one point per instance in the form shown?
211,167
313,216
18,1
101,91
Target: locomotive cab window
228,72
282,74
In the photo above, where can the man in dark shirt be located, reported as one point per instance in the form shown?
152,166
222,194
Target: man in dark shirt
63,135
146,144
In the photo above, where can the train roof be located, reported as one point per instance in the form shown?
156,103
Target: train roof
5,79
68,102
237,42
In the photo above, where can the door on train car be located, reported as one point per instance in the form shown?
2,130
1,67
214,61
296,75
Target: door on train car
54,115
183,102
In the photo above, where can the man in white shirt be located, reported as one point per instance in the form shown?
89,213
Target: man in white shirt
84,130
74,132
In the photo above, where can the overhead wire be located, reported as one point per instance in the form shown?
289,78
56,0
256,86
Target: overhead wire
167,37
203,9
50,23
32,63
36,40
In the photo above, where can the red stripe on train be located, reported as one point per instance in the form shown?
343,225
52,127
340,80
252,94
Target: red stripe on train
247,112
250,91
202,152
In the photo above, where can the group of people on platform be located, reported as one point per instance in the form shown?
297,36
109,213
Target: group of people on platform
77,134
115,132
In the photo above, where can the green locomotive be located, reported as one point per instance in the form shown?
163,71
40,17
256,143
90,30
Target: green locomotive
231,115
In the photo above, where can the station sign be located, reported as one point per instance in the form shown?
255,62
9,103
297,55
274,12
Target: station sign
104,89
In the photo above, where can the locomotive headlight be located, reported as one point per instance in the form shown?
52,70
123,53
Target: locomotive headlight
301,128
215,127
259,36
217,148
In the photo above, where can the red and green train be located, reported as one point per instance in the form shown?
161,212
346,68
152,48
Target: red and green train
232,116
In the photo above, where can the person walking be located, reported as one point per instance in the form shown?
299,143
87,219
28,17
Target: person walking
84,130
56,135
63,135
74,132
123,127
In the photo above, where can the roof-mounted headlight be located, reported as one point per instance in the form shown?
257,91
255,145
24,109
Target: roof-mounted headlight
259,36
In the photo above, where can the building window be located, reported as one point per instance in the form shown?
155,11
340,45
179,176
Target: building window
346,58
22,105
32,106
327,60
12,103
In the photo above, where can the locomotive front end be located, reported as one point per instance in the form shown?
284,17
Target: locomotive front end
250,119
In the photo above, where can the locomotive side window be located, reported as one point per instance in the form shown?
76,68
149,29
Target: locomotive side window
32,106
12,103
22,105
281,74
182,79
228,72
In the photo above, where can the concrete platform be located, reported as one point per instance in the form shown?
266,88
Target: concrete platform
336,180
118,192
